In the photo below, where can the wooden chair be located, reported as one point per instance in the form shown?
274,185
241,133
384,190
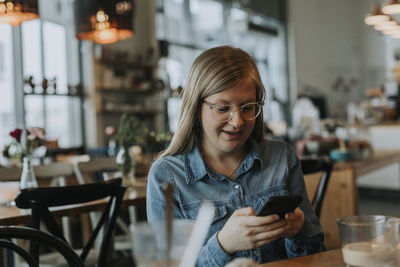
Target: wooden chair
10,174
322,166
44,239
39,200
85,172
55,173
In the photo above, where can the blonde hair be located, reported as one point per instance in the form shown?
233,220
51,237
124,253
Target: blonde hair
213,71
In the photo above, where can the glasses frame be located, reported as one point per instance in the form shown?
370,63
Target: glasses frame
232,112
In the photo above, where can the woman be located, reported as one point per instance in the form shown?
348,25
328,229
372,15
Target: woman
218,154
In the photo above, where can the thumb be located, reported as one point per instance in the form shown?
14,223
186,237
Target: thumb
248,211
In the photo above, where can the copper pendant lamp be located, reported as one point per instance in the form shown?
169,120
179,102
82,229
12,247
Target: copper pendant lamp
376,16
14,12
104,21
392,8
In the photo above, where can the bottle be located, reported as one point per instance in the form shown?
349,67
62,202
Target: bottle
28,178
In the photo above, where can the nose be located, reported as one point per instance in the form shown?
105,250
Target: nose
236,118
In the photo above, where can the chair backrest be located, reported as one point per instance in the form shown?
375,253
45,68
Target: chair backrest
56,169
39,200
55,172
45,239
10,174
85,170
315,165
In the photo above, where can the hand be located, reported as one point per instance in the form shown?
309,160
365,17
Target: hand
244,230
295,221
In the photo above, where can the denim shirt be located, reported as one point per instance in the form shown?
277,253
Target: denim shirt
269,169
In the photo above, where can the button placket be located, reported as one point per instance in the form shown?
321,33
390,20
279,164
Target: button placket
239,192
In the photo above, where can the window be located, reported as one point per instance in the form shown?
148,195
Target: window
7,112
192,26
48,69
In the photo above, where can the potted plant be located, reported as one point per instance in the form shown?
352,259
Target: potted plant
130,132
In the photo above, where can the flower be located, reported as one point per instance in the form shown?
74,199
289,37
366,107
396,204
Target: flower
35,137
110,130
16,134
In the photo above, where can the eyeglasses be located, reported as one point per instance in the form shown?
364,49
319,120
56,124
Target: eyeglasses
225,112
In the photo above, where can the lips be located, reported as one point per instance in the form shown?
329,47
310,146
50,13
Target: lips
232,134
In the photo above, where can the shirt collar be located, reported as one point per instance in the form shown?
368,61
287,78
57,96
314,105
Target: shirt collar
196,168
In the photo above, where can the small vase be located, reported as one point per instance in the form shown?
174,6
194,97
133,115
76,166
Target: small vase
28,178
127,165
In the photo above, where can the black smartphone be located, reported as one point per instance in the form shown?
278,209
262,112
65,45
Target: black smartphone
280,205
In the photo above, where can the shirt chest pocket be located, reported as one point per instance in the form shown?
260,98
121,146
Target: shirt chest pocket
220,216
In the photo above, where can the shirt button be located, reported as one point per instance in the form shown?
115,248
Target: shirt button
236,186
255,252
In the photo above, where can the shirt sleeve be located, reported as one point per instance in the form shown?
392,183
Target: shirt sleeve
311,238
212,254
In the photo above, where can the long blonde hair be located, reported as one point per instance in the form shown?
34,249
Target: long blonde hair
213,71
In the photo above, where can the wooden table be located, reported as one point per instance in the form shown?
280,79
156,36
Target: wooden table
11,215
330,258
341,197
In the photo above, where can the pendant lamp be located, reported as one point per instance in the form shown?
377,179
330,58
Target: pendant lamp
14,12
390,24
392,8
104,21
376,16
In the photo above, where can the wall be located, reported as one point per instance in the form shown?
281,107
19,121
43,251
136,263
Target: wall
143,39
332,52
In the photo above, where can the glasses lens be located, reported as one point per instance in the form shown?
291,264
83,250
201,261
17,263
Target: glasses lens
225,112
250,111
222,112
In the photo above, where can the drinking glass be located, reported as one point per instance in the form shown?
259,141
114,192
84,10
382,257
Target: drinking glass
150,244
369,240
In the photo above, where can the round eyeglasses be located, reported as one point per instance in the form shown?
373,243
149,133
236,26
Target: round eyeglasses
225,112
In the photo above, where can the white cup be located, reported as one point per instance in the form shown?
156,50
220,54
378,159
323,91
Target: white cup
369,240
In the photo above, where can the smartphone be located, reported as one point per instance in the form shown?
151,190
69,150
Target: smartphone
280,205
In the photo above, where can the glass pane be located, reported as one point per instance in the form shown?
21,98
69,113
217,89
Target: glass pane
173,25
208,22
7,113
58,121
31,52
34,111
180,59
54,45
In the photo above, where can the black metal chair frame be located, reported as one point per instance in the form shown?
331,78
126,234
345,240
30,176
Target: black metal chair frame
26,233
312,165
39,200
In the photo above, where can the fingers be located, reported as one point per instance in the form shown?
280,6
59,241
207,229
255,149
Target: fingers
297,213
267,227
263,238
261,220
295,222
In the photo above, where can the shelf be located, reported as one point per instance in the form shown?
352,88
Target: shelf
142,113
47,94
126,90
124,64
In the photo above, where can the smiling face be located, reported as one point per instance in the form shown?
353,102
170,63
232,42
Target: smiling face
221,138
